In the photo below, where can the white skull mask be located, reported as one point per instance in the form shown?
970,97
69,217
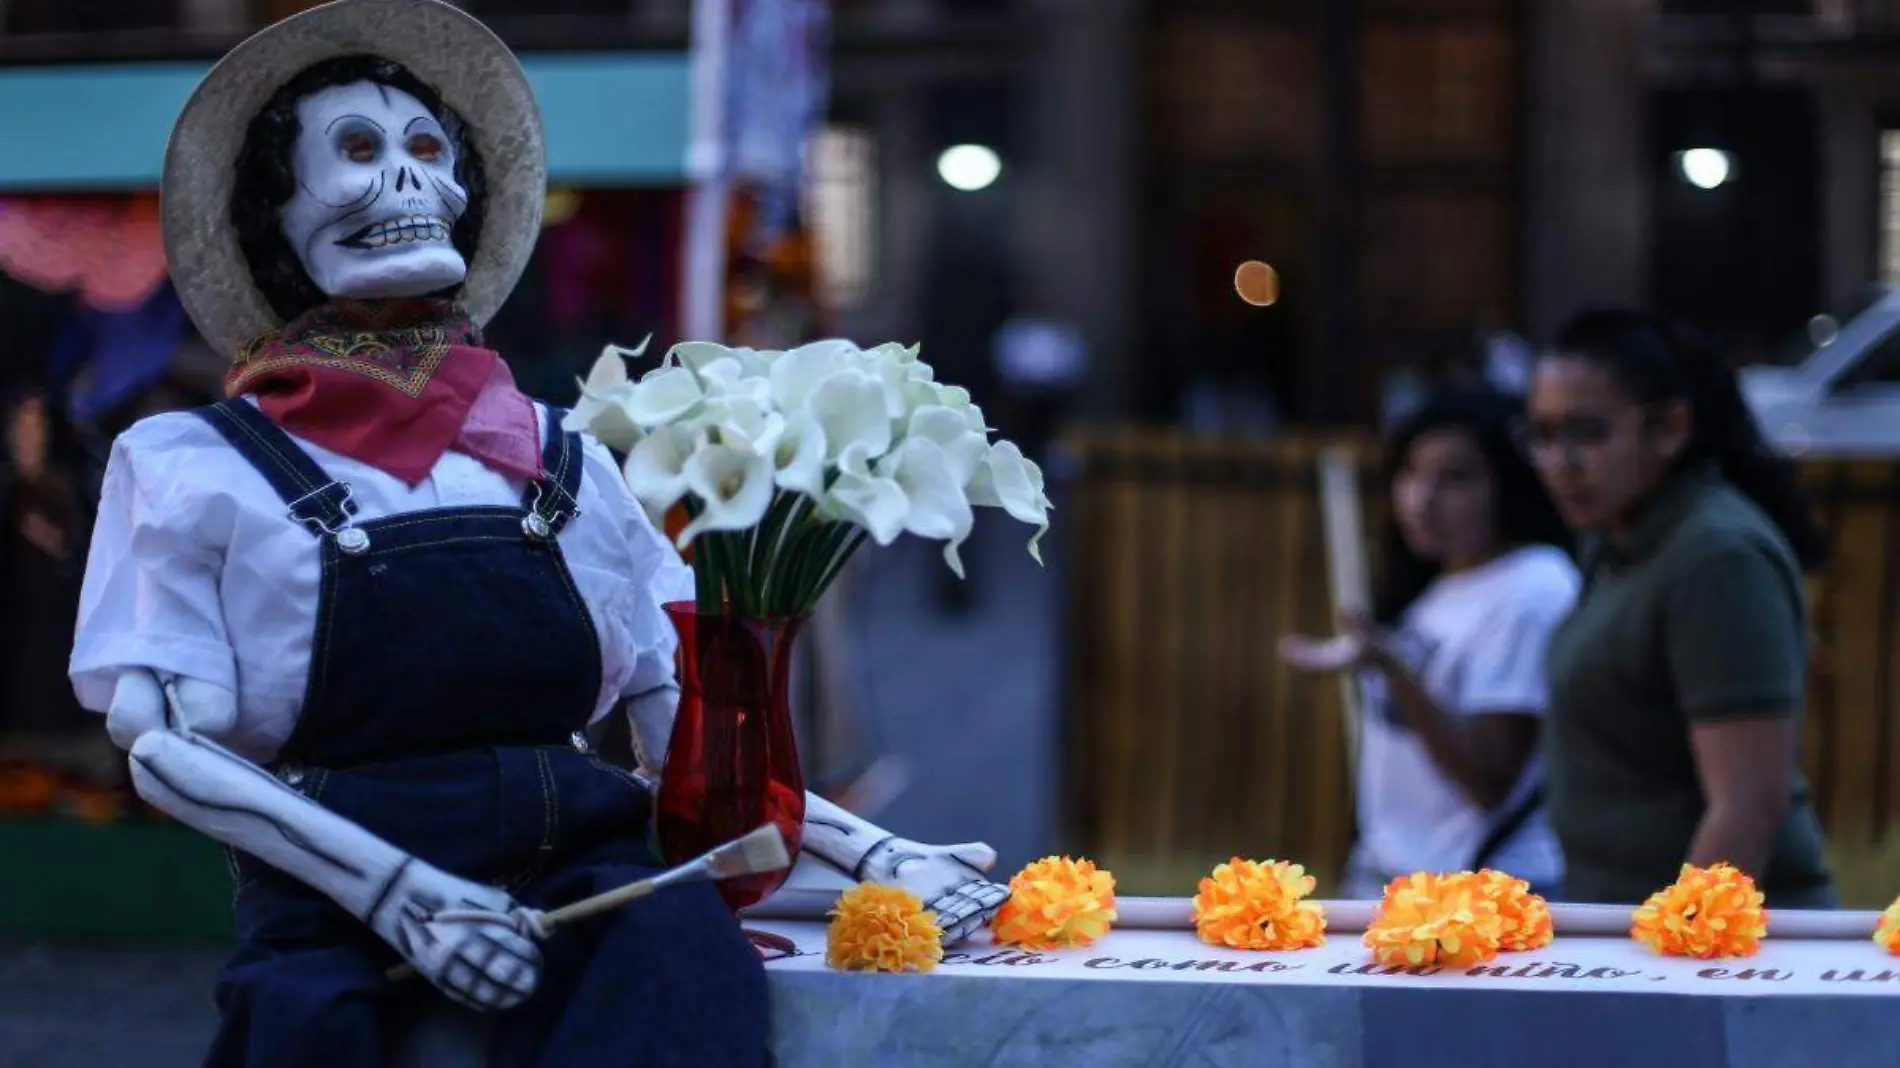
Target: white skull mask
376,195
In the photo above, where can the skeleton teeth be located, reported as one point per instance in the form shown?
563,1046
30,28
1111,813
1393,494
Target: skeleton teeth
407,229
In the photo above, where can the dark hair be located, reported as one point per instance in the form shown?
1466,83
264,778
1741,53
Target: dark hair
266,180
1655,362
1522,511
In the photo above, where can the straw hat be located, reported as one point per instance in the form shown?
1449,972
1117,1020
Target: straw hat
476,75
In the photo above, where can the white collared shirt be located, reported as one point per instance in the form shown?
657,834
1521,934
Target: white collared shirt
1476,641
196,570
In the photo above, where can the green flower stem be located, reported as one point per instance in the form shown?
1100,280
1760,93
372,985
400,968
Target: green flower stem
731,554
853,539
780,567
768,545
707,595
796,564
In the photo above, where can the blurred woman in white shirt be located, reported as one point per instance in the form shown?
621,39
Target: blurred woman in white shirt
1476,575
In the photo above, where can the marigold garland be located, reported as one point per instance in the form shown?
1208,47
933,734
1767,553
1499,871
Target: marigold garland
1887,935
1524,916
1056,902
882,929
1706,912
1428,919
1247,904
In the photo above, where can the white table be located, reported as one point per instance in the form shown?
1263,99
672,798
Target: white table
1158,996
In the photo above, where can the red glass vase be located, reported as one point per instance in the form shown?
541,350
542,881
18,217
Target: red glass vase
732,761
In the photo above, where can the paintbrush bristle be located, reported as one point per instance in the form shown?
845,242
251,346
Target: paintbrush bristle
760,850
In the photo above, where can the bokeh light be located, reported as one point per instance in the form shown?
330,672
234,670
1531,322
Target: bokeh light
1257,283
1705,168
969,167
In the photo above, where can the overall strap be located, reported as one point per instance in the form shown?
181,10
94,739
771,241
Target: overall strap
555,498
316,500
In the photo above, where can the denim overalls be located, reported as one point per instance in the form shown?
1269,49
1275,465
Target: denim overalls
453,669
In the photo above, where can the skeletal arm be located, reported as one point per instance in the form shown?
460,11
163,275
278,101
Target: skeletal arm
948,879
471,940
151,620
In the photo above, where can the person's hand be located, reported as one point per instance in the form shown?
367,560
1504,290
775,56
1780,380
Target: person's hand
29,434
1359,644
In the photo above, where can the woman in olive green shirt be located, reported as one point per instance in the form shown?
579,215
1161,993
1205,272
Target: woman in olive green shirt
1676,685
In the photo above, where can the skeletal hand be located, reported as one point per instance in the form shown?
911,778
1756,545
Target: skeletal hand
472,941
947,879
139,707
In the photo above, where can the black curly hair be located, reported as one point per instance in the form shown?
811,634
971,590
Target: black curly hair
266,181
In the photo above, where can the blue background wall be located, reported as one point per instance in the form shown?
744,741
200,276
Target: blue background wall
613,119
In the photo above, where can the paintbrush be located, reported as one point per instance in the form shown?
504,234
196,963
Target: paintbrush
758,851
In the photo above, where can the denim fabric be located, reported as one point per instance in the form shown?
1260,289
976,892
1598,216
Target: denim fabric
452,661
451,630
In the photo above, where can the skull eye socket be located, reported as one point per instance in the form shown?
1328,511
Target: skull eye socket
426,147
359,146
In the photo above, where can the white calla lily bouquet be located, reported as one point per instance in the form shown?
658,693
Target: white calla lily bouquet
787,461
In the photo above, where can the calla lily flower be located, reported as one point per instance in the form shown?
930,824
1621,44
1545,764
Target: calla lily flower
741,422
844,443
870,500
937,508
727,377
734,488
1012,482
800,456
695,356
663,396
964,449
849,406
797,375
601,410
656,468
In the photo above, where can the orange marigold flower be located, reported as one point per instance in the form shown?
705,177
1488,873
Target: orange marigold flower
882,929
1429,919
1247,904
1056,902
1706,912
1888,933
1525,917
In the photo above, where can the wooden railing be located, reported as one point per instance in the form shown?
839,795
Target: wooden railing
1187,740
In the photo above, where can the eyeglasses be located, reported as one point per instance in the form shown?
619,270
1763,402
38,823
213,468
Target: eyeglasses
1564,440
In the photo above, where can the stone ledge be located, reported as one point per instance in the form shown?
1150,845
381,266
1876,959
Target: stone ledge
1153,999
826,1020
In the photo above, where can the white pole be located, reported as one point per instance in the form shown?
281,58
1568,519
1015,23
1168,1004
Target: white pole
703,294
1345,563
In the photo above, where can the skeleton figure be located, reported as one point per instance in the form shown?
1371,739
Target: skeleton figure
331,639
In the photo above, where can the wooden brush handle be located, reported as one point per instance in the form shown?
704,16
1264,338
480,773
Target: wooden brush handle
579,910
597,904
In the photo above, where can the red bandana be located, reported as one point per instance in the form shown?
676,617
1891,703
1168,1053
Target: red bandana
393,384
